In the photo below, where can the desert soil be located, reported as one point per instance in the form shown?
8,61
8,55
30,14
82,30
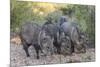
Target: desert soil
18,57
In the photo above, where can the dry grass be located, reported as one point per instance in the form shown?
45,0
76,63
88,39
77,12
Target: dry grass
15,40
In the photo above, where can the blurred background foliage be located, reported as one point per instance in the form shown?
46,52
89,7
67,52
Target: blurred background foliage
23,11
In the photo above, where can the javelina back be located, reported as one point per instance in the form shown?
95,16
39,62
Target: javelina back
29,36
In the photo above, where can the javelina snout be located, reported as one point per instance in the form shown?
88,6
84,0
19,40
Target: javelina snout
46,43
65,44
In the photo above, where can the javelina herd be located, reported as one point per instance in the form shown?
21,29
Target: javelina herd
62,37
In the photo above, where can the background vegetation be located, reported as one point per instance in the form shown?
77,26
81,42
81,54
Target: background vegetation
83,15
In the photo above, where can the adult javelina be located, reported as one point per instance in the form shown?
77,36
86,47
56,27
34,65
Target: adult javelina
72,31
64,40
47,37
65,43
29,36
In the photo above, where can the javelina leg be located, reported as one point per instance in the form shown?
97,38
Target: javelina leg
37,51
37,48
57,47
72,47
25,47
40,49
58,50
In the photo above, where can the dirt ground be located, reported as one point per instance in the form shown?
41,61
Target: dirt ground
18,57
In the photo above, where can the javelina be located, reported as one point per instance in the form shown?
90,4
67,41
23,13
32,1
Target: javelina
65,43
72,31
47,37
29,36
